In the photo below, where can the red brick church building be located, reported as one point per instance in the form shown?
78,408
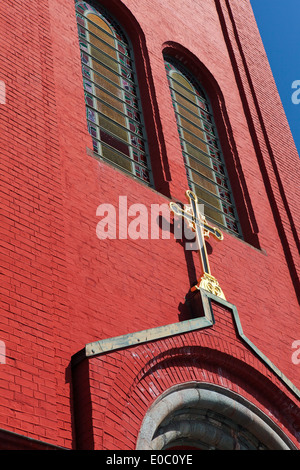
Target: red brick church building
127,129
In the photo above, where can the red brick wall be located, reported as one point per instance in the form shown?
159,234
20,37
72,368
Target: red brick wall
61,287
33,289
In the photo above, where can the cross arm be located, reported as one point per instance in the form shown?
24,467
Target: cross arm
196,221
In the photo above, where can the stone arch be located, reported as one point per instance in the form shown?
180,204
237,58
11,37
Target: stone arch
206,416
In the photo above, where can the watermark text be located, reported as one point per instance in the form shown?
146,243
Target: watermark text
2,353
2,92
296,93
136,221
296,353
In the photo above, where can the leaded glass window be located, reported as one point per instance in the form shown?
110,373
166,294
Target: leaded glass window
204,162
113,109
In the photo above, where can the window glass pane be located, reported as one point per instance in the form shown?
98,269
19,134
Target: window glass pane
202,155
113,111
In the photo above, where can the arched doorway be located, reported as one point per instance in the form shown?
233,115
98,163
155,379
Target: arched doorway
205,416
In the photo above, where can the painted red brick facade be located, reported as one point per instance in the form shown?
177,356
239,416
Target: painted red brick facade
63,288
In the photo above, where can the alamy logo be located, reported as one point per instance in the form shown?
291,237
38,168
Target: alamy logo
296,354
2,93
296,93
2,353
138,222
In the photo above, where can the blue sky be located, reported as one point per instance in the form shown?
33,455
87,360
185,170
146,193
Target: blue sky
279,25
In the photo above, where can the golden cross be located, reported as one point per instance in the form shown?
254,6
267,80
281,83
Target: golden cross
202,229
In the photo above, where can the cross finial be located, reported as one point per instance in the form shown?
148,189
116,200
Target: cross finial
202,229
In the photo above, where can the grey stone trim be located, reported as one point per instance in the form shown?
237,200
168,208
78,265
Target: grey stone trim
132,339
124,341
163,426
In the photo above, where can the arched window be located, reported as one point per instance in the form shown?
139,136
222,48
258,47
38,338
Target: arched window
204,163
113,109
